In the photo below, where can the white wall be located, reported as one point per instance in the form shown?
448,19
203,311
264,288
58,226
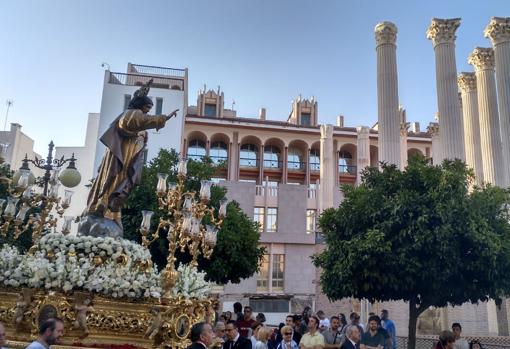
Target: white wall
84,164
19,145
112,105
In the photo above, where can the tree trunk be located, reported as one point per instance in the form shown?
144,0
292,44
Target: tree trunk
413,319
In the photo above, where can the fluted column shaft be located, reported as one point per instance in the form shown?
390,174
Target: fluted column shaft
467,86
437,156
483,61
442,34
387,93
498,31
362,150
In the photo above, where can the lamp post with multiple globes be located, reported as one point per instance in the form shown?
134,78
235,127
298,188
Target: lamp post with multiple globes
23,196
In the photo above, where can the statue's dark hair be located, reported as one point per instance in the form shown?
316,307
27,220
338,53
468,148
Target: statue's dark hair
139,102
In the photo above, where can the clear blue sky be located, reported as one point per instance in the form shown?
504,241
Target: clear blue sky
261,52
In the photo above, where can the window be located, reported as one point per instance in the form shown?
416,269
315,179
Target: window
210,110
305,119
218,152
263,275
159,106
270,305
310,221
278,272
345,163
248,155
271,157
196,150
315,160
294,159
127,99
271,219
258,216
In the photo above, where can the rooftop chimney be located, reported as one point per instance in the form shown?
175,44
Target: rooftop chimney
262,114
415,127
340,121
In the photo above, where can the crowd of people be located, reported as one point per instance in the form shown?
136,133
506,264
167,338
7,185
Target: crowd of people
240,329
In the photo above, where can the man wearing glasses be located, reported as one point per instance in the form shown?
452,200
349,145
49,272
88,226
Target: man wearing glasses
234,339
287,341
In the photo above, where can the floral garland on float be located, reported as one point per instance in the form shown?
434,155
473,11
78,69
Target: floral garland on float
107,289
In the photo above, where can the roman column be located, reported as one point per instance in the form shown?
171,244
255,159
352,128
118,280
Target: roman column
467,86
483,61
498,31
328,182
387,93
433,130
442,34
363,150
404,129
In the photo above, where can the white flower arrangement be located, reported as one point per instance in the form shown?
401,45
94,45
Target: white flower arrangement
115,268
191,283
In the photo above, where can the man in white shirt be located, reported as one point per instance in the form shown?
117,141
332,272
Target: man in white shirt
460,343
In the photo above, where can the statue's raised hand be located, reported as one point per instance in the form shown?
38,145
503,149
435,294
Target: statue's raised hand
172,114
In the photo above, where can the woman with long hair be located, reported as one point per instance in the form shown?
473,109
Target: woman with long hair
446,340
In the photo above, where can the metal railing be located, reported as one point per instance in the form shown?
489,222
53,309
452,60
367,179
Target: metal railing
150,69
312,193
296,165
138,80
429,342
219,159
246,162
315,167
348,169
273,164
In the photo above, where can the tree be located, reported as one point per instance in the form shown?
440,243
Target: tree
236,254
419,235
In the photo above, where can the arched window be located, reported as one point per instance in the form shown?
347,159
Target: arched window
345,163
196,150
218,152
315,160
248,155
272,157
295,159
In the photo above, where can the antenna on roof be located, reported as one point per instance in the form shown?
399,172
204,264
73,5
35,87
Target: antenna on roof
105,65
9,104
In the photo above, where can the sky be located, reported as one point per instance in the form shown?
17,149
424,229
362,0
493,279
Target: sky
263,53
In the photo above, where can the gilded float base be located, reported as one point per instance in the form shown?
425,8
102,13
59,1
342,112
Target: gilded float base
102,321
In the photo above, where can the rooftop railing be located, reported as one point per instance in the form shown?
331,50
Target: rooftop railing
138,80
153,70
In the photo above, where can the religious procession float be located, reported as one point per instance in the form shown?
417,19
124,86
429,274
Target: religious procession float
106,288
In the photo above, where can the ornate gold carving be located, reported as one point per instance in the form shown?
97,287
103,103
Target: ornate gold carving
482,58
108,322
385,33
467,81
442,31
498,30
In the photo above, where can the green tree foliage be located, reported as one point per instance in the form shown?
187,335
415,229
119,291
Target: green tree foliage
236,255
418,235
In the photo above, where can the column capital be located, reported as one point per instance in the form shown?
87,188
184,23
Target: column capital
498,30
404,128
482,58
433,129
467,81
385,33
442,31
363,131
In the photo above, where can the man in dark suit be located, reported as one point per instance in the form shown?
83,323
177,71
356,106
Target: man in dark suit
353,337
234,340
201,335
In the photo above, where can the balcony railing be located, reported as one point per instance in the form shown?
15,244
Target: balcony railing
347,169
273,164
312,193
219,159
296,165
262,190
138,80
246,162
315,167
153,70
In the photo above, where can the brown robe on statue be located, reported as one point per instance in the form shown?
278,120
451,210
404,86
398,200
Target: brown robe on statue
121,168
